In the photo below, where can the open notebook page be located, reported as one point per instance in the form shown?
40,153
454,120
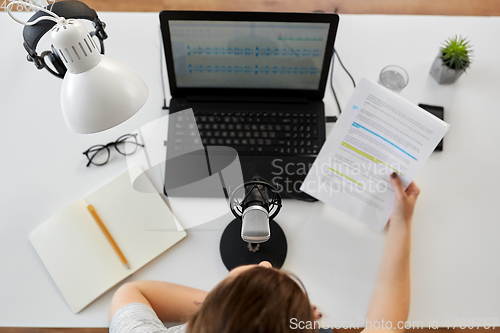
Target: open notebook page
141,224
77,255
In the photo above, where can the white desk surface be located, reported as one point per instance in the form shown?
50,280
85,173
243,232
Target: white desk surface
455,249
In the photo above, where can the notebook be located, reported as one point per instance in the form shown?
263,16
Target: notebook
78,255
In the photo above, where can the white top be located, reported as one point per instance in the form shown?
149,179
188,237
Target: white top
455,248
140,318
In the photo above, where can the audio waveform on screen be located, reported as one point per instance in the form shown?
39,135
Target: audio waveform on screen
253,51
299,39
209,69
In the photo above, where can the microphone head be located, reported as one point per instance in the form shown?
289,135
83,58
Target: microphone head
255,193
255,225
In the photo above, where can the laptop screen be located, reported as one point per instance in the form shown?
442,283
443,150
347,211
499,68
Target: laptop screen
242,54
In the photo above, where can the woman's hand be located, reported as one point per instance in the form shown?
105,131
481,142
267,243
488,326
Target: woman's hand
317,314
404,202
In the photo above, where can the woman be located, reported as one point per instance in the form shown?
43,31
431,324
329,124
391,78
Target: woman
261,299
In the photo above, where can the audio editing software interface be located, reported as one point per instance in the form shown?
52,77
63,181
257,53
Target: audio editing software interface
265,55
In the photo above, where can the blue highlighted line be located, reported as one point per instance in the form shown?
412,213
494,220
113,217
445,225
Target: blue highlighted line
366,129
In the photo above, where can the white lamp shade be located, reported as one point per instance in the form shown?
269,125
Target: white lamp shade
101,97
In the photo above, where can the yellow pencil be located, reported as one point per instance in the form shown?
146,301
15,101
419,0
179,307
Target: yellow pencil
108,236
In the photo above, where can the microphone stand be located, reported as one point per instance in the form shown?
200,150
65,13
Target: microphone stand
236,252
253,247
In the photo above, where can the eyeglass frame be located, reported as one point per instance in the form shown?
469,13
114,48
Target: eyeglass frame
114,143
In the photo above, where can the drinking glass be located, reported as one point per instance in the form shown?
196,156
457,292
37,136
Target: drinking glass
394,78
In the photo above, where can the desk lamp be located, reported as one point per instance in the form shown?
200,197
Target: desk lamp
254,236
98,92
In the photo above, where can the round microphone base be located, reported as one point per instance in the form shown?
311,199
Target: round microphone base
236,252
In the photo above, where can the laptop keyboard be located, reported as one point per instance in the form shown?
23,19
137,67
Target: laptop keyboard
257,132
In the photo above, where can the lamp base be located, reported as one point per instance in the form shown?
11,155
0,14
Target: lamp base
236,252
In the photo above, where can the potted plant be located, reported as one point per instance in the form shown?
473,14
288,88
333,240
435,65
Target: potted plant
453,59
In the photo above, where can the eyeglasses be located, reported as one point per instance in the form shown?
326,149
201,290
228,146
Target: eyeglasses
99,154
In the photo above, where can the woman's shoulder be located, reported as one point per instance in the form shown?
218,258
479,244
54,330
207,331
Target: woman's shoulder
140,318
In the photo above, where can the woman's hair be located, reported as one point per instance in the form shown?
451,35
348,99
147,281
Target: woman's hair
259,300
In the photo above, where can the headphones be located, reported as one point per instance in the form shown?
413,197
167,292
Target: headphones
67,9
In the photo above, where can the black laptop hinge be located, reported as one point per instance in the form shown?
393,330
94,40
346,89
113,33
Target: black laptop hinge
247,99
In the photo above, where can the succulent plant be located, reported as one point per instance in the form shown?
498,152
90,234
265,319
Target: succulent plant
456,53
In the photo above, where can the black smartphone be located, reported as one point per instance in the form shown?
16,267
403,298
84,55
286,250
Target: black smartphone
438,111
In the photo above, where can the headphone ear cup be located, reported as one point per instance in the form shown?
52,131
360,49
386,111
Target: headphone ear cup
57,62
60,69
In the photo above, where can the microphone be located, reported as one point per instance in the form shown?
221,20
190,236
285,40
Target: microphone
255,218
260,204
247,239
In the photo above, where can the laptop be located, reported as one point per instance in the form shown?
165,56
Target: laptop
255,82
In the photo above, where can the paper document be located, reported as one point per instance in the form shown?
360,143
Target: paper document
378,133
